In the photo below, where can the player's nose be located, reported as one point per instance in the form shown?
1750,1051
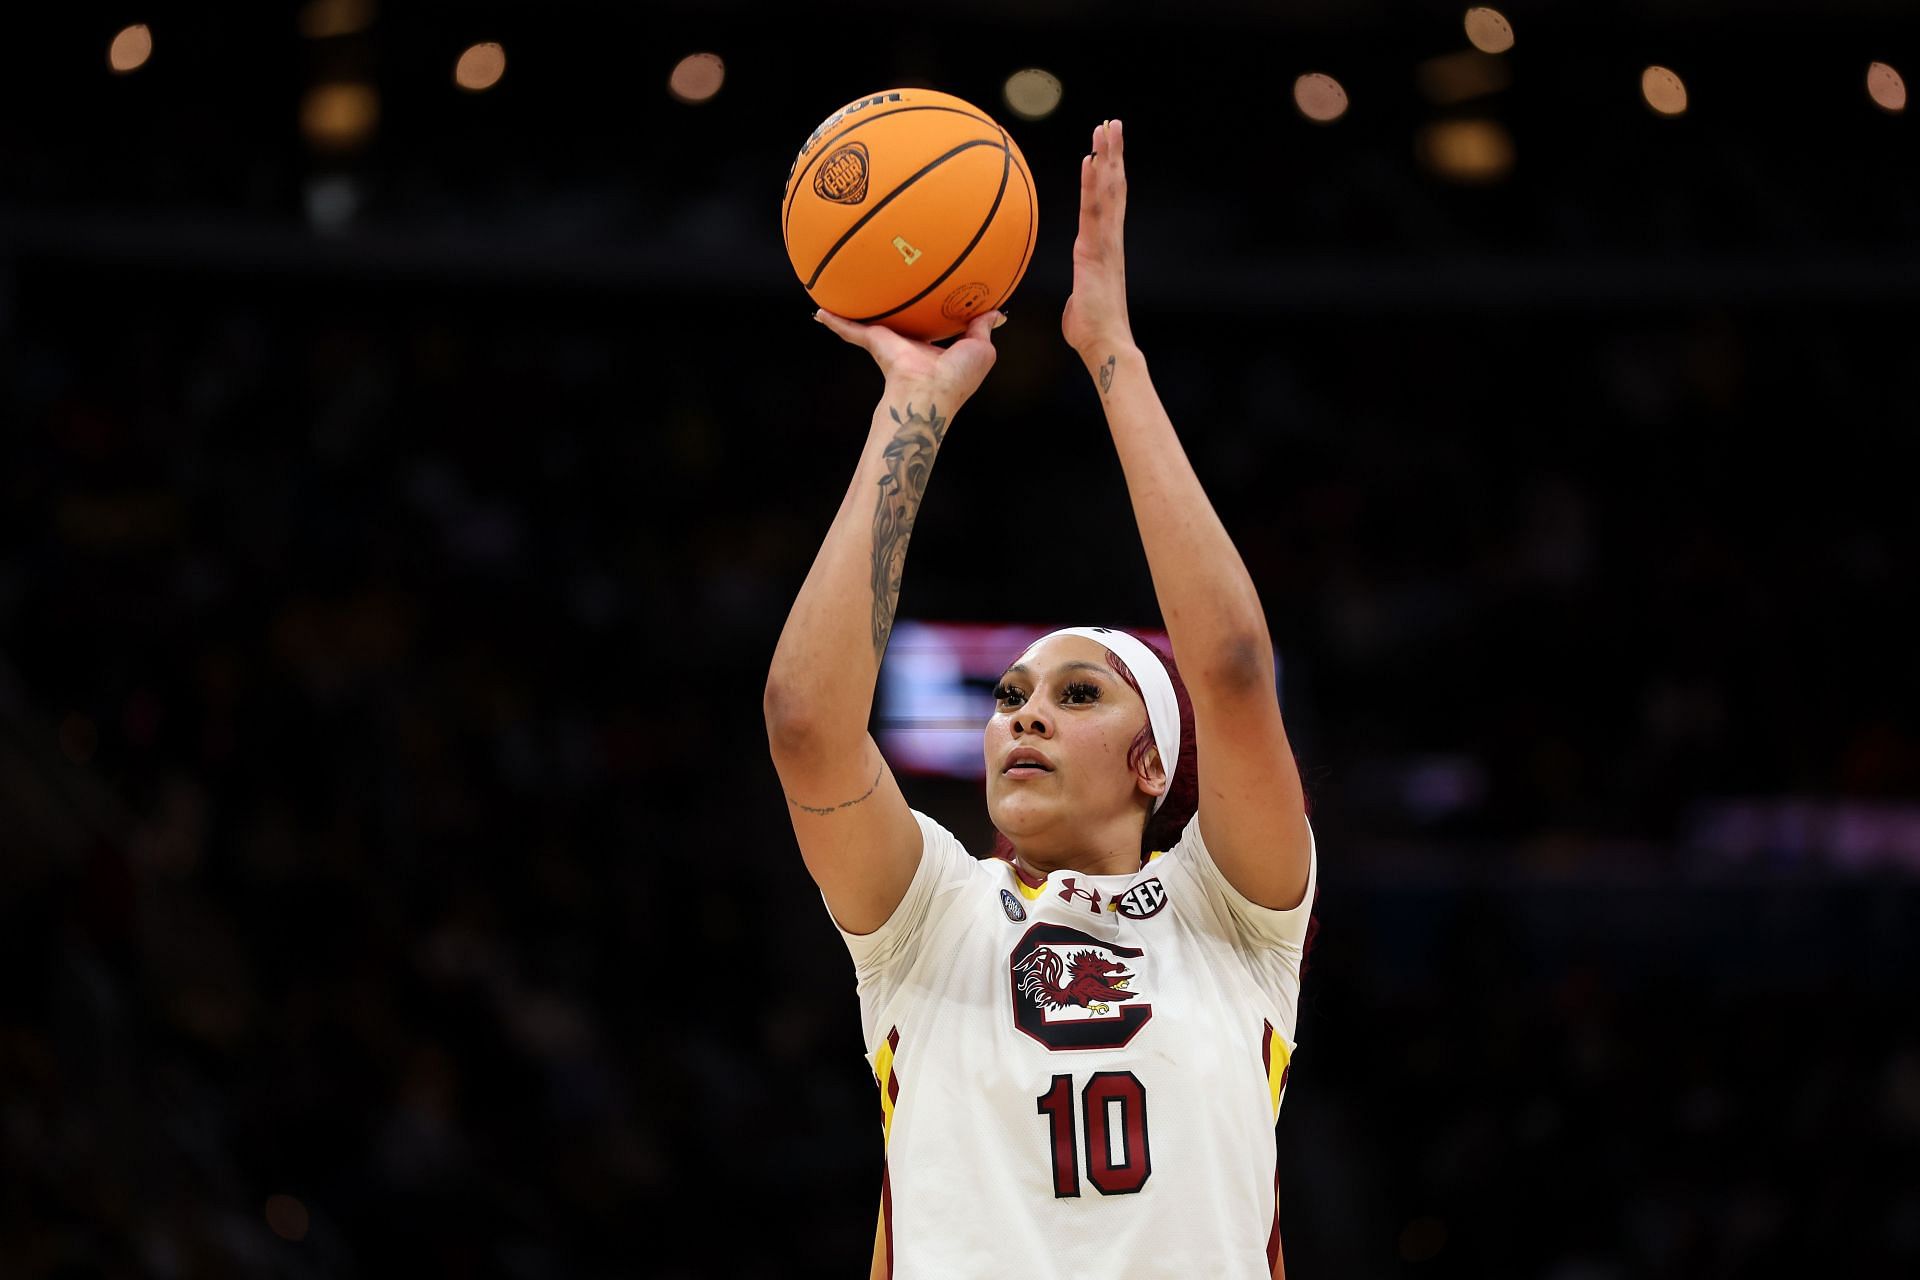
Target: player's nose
1031,721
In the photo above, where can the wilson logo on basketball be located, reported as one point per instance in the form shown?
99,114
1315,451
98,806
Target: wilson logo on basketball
964,301
842,176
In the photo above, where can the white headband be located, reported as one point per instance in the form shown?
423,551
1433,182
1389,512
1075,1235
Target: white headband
1156,689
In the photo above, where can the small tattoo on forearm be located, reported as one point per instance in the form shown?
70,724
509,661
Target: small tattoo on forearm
1106,376
845,804
909,459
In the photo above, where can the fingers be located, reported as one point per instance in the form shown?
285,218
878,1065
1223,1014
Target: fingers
1103,171
1090,191
1103,183
847,329
983,325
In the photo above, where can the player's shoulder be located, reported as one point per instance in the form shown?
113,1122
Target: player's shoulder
946,853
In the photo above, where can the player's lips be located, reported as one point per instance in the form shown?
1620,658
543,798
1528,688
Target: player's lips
1025,762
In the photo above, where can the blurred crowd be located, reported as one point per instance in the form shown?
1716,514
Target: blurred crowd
389,827
394,878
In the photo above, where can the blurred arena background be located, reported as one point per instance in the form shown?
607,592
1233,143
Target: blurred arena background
403,482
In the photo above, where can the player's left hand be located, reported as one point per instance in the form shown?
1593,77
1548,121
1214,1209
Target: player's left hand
1096,314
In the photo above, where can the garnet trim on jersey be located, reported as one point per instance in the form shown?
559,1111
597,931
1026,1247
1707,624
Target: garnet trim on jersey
1278,1061
1042,981
889,1082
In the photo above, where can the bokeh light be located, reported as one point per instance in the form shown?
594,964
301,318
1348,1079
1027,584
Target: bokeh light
130,49
339,115
288,1217
1663,90
480,67
1886,88
1032,94
1488,30
323,19
697,77
1320,98
1458,77
1466,151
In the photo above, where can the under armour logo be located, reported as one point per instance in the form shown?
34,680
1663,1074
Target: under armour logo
1068,893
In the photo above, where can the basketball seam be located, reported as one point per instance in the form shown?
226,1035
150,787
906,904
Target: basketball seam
1006,167
826,145
887,199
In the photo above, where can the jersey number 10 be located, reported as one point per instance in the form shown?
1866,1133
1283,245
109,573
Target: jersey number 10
1106,1093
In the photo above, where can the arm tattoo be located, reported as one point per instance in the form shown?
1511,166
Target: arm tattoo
845,804
1106,376
909,458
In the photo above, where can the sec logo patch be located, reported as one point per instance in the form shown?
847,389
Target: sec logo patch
1143,900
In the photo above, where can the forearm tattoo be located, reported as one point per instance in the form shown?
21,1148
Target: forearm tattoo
909,459
844,804
1106,376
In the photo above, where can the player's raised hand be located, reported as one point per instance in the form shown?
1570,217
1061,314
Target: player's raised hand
1096,314
952,373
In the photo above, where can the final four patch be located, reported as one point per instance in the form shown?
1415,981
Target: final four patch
1011,905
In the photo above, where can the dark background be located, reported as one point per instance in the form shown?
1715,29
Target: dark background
386,823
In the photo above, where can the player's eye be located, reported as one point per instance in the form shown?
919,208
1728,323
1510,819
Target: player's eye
1003,693
1080,689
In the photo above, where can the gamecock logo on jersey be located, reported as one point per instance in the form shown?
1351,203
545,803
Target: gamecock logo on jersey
1072,991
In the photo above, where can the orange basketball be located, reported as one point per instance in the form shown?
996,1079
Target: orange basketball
911,209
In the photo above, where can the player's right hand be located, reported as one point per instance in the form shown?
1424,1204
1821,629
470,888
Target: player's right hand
952,374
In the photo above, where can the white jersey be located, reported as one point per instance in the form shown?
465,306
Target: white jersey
1081,1077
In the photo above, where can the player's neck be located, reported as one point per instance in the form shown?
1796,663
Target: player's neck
1037,860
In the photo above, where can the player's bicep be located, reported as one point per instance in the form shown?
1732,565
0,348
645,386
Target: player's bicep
1253,813
856,833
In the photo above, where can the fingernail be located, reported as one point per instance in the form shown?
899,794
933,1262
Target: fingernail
1001,320
816,316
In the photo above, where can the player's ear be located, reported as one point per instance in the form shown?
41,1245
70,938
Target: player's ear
1151,777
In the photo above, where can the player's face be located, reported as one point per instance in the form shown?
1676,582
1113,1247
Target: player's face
1062,701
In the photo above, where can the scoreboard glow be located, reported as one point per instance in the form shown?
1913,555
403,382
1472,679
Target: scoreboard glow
935,694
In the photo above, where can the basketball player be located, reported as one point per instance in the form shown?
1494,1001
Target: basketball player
1081,1044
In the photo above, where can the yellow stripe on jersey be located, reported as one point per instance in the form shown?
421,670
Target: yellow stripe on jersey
1021,885
883,1074
1278,1056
